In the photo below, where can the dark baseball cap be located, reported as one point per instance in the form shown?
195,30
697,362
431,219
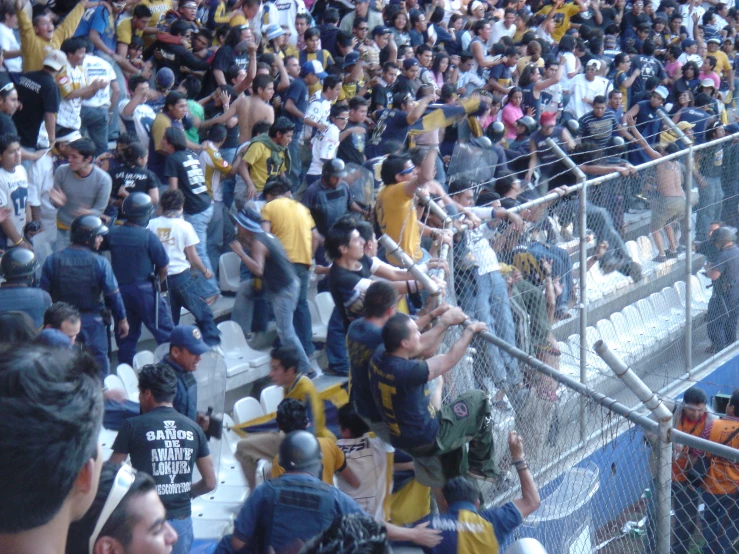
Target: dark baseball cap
189,338
380,30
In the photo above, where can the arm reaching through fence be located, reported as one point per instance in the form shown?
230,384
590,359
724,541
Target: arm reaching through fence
529,501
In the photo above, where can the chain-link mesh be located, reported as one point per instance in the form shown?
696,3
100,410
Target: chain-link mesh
597,472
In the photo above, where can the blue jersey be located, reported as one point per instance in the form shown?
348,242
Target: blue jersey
362,339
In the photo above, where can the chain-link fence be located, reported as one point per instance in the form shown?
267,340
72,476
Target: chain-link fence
619,260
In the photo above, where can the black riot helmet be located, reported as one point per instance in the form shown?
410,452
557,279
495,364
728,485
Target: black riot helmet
495,131
333,168
300,451
18,263
722,236
137,208
85,228
528,123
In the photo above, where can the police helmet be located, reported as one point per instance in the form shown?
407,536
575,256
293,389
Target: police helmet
334,168
495,131
573,126
617,145
85,228
18,263
300,451
722,236
137,208
528,123
482,142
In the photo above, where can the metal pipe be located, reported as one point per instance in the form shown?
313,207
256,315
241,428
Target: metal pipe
674,128
393,249
433,207
632,380
687,232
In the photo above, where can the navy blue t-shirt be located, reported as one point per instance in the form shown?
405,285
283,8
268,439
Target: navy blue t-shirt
298,93
391,125
362,339
400,390
502,75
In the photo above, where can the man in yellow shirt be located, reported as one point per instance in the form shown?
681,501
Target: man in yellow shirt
266,156
291,416
396,209
292,224
132,26
283,372
562,14
40,37
723,66
158,8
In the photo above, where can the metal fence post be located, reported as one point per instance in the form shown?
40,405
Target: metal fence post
687,232
663,482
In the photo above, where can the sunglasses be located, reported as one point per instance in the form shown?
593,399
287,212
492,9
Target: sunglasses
407,170
121,485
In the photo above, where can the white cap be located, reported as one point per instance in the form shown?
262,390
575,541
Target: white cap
596,63
55,59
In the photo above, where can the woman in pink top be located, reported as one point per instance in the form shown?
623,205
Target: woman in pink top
708,71
439,69
512,112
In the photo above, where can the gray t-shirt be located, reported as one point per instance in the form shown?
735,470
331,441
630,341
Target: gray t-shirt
91,192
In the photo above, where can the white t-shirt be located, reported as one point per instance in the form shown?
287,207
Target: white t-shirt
97,69
176,234
581,88
286,12
499,30
325,146
318,110
70,79
14,195
371,460
9,42
570,66
139,122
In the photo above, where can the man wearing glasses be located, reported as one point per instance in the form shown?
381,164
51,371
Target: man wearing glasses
167,445
47,480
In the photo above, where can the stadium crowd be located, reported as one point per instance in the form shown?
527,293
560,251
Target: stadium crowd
294,134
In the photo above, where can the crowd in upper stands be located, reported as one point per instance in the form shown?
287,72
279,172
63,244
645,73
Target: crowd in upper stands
144,142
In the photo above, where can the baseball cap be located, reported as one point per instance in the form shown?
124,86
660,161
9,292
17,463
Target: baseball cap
249,220
164,79
716,40
708,82
409,62
189,4
189,338
313,67
350,59
273,31
380,30
687,43
548,118
662,91
56,59
595,63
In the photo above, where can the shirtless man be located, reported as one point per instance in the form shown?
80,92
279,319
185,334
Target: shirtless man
250,109
670,206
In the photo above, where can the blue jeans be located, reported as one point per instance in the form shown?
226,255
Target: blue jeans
228,184
95,120
183,291
301,318
94,336
185,535
296,168
709,206
561,267
220,234
720,518
283,304
338,359
139,299
488,301
199,221
598,220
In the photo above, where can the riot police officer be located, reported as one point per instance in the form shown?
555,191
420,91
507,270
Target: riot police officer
81,277
18,266
139,264
724,272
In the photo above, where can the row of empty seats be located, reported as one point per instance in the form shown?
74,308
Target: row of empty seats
250,408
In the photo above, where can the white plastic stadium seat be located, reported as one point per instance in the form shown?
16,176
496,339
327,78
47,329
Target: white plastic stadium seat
209,529
113,382
161,351
629,341
239,356
318,328
671,320
247,409
229,272
270,398
651,321
638,329
325,305
610,336
140,359
130,381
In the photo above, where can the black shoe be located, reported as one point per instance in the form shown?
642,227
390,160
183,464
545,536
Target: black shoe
670,255
660,259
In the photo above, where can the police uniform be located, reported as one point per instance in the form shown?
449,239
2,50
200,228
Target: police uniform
29,300
80,277
186,393
137,255
291,508
722,308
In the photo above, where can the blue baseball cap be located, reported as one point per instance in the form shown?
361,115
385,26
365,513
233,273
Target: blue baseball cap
249,220
313,67
350,59
189,338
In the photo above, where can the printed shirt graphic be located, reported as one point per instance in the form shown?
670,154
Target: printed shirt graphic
175,234
13,195
69,80
165,444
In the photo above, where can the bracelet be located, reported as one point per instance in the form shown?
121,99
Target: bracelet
519,463
20,240
522,467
